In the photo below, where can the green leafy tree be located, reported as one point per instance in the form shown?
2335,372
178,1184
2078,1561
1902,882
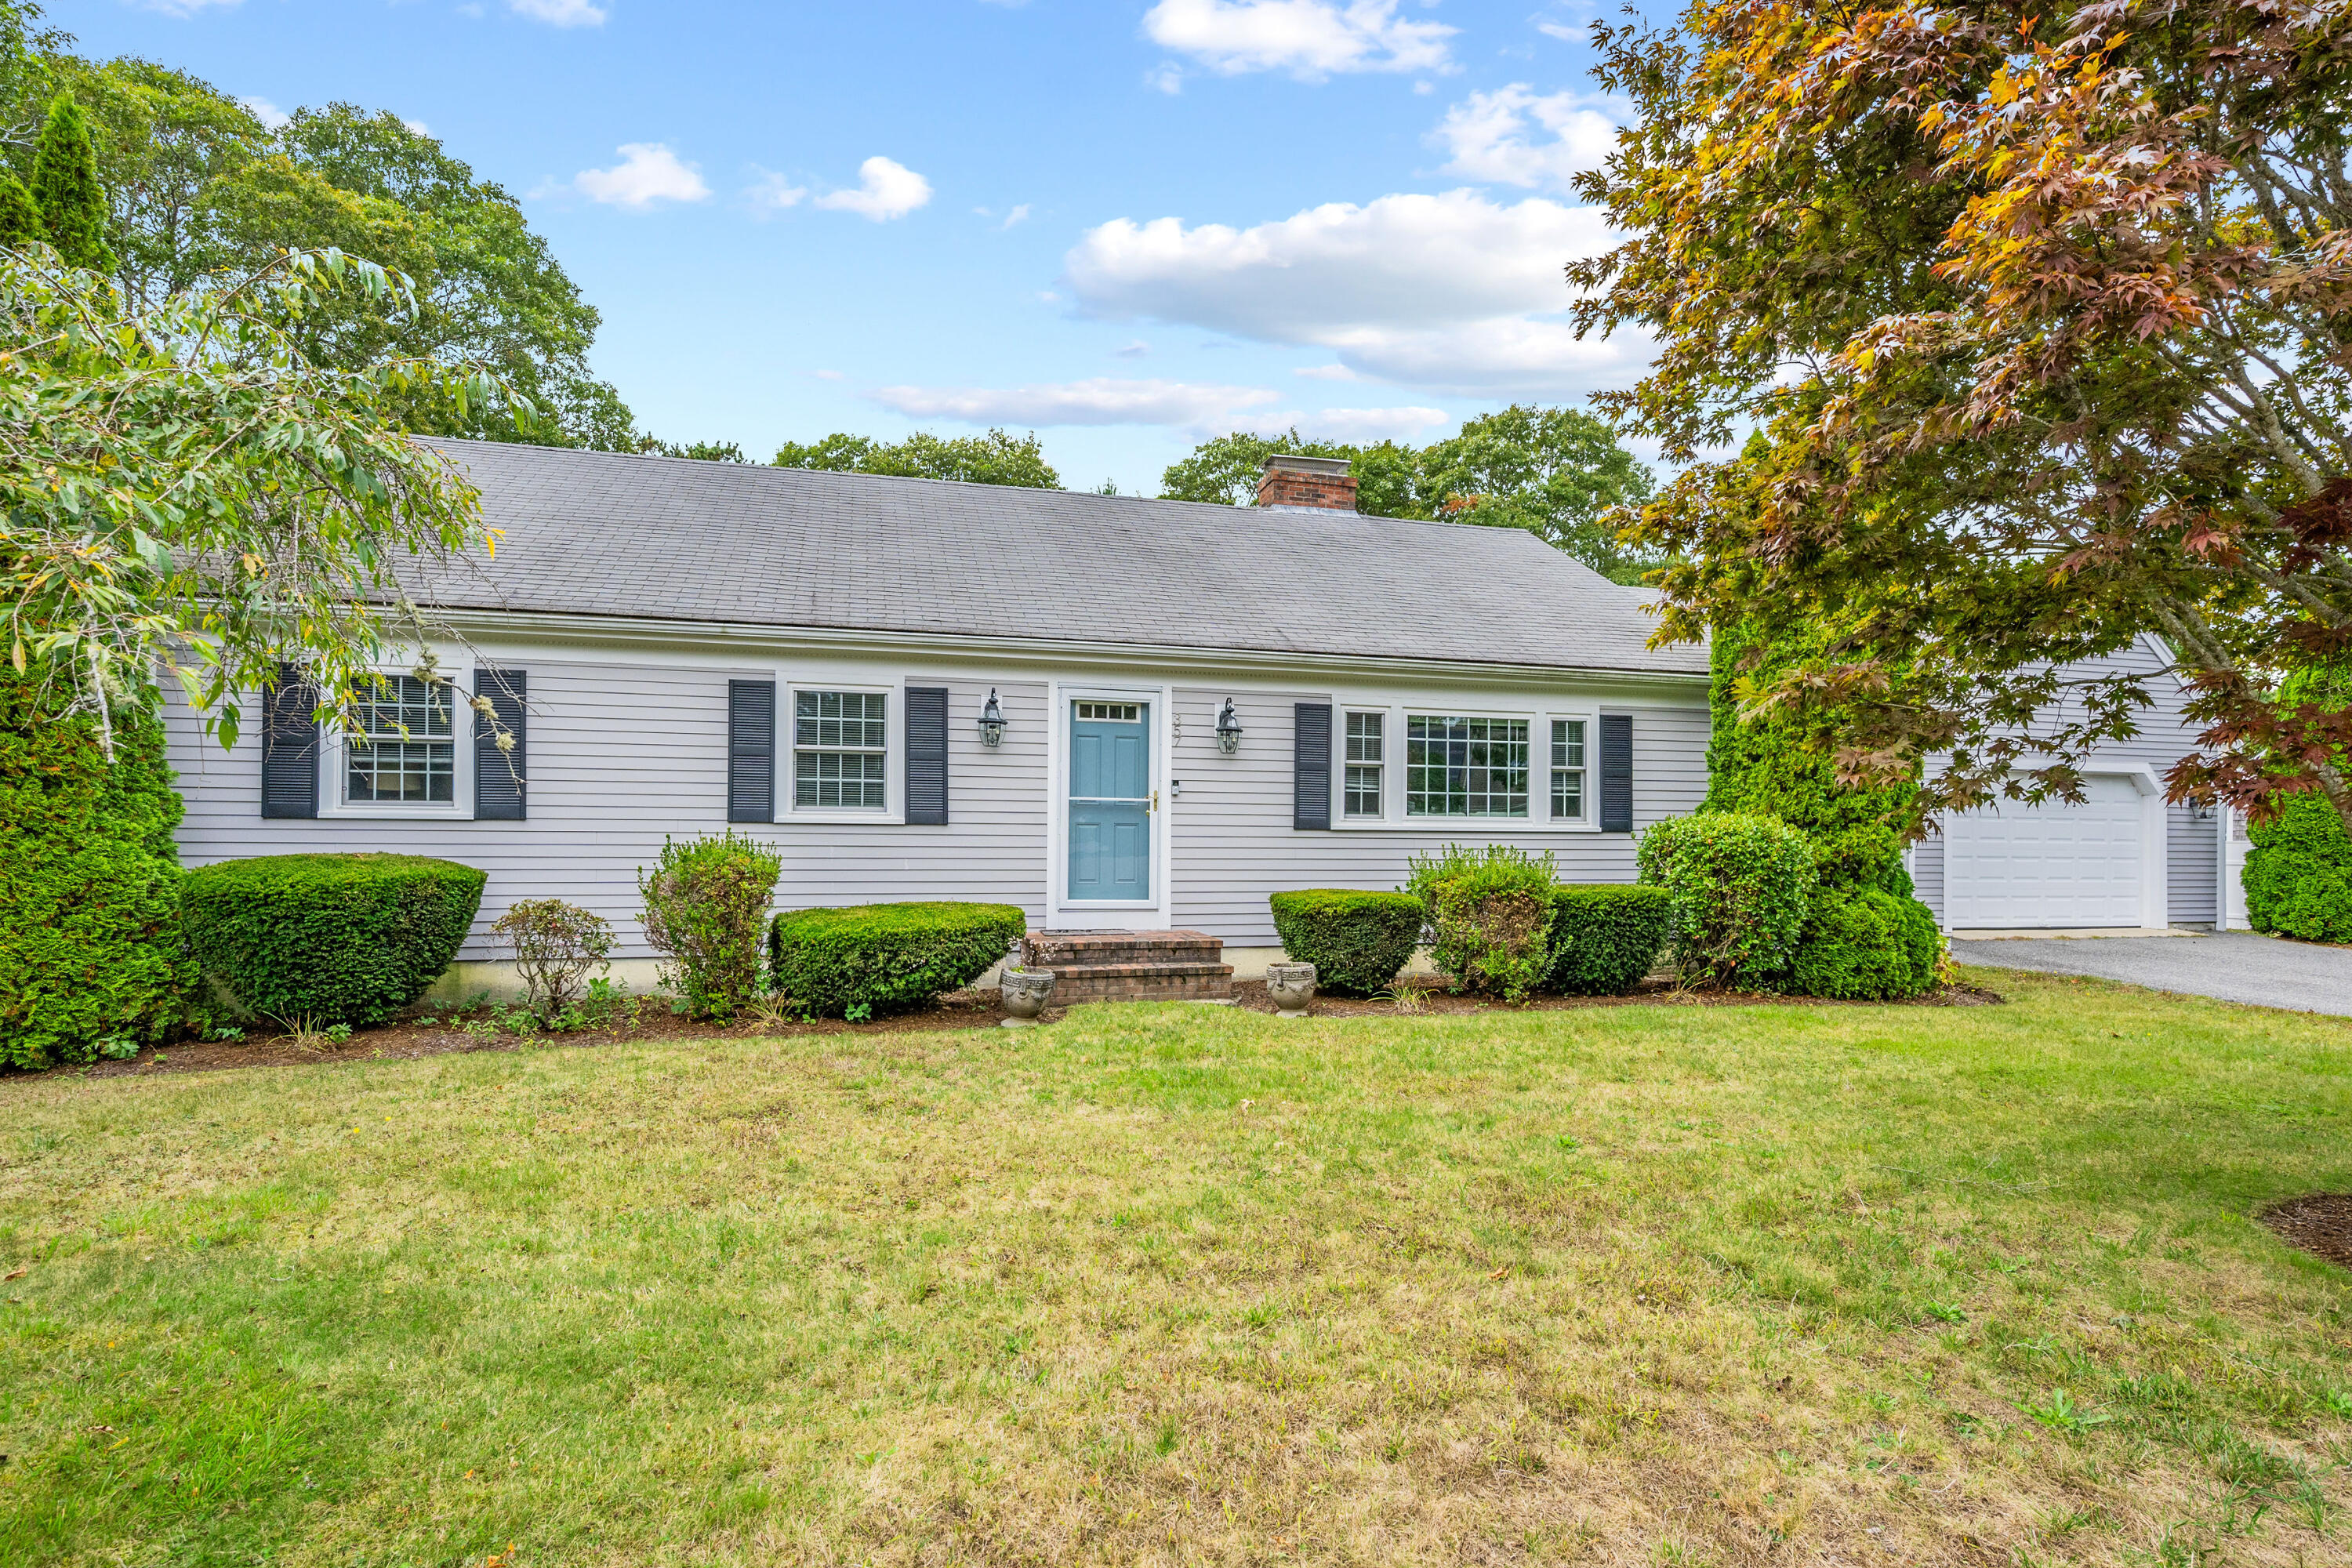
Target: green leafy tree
2042,313
1556,472
66,190
702,451
182,489
995,458
20,220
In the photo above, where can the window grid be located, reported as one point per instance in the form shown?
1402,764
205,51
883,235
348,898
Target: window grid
1567,769
839,757
401,748
1113,712
1367,751
1456,766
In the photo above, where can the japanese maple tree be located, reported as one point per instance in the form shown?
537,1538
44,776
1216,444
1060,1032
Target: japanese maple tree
2033,320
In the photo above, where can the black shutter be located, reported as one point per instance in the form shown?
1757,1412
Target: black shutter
499,776
289,747
927,756
1616,772
1310,780
751,751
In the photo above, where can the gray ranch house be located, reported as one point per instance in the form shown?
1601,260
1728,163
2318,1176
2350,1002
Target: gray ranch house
1119,714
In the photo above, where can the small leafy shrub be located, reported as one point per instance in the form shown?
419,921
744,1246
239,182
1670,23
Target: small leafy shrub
1739,885
1357,942
329,939
1489,913
2298,875
1865,944
1605,936
555,945
90,945
706,900
866,959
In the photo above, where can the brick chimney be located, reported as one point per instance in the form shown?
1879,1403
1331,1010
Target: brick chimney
1307,484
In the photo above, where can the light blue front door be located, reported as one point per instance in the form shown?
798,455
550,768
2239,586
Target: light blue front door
1110,801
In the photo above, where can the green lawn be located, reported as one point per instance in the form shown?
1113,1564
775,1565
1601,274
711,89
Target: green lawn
1677,1285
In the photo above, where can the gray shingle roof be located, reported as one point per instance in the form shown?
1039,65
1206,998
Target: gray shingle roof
666,538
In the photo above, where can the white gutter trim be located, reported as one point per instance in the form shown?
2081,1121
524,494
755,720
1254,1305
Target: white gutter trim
631,628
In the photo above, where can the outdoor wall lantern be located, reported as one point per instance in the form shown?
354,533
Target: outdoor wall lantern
1229,729
992,721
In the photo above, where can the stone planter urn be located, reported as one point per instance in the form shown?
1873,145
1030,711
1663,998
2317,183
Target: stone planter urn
1292,987
1025,994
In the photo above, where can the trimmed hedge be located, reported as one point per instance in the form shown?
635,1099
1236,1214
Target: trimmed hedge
2298,875
1740,886
1358,942
92,956
886,957
334,939
1865,944
1606,936
1762,766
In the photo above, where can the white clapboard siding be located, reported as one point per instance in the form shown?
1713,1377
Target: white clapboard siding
621,754
1233,844
2191,843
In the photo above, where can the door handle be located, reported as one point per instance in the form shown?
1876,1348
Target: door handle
1155,800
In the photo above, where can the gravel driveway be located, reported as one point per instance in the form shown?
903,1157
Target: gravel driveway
2236,966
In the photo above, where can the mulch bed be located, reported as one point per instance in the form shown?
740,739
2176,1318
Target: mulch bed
409,1039
2320,1223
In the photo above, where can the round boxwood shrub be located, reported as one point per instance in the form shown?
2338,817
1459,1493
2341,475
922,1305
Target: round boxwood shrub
2298,875
331,939
1358,942
1865,944
1605,936
877,958
91,958
1739,885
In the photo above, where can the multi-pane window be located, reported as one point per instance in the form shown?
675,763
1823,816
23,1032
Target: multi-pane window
838,749
1367,741
1464,767
1568,785
402,746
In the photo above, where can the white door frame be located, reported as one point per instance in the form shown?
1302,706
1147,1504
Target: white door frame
2155,893
1060,911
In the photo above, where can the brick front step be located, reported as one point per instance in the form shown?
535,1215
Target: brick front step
1132,966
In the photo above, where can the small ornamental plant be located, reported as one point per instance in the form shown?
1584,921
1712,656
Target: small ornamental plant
555,947
706,909
1490,916
1741,886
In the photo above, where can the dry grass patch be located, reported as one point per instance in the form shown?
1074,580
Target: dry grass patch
1173,1285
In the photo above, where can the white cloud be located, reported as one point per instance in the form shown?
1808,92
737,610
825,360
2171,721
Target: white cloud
772,193
1168,78
1560,30
185,8
1020,214
1488,136
826,375
1453,292
1327,373
268,113
559,12
648,173
1191,405
886,189
1135,349
1308,38
1361,424
418,126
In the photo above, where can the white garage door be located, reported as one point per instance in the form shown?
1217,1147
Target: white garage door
2010,864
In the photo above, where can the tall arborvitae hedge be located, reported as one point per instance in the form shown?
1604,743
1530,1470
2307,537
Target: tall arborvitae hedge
91,957
2298,875
1866,936
20,220
65,188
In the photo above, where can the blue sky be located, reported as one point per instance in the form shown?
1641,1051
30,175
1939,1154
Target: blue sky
1124,224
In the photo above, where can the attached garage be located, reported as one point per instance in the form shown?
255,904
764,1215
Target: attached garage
2099,864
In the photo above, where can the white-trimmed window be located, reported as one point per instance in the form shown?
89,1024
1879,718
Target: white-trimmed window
402,746
1571,781
1366,762
840,750
1458,765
